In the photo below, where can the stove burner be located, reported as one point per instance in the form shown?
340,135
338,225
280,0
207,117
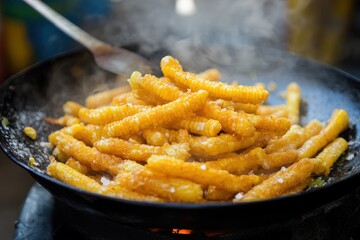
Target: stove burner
42,217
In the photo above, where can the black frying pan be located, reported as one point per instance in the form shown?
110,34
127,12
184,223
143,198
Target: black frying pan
40,91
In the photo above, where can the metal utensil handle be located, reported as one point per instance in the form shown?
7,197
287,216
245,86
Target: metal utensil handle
65,25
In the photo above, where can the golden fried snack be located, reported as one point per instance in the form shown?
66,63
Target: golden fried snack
127,98
292,139
279,159
211,74
141,179
127,150
108,114
329,155
338,122
235,106
244,94
198,172
312,128
72,177
214,193
287,179
115,189
72,108
105,97
281,182
177,150
75,164
60,155
84,154
224,143
199,125
157,136
66,120
85,133
230,121
158,87
293,99
240,163
157,116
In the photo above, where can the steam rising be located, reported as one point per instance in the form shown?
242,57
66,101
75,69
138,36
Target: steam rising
158,24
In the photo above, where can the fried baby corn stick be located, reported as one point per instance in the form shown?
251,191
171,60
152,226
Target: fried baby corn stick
295,137
293,176
105,97
199,173
199,125
114,189
338,122
281,181
146,181
85,133
84,154
244,94
72,177
108,114
229,120
239,164
293,99
245,107
156,116
224,143
156,86
75,164
329,155
127,150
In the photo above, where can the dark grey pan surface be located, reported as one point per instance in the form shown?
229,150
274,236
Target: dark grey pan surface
28,97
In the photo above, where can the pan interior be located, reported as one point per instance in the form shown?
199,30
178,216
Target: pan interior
30,96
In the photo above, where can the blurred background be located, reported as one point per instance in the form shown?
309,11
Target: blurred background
324,30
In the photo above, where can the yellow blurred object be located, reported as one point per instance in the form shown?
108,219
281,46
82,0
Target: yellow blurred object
317,28
18,50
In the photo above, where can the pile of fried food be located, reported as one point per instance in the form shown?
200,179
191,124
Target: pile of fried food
188,137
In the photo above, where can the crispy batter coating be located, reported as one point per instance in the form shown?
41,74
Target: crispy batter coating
338,122
105,97
239,164
244,94
72,177
144,180
224,143
75,164
199,173
199,125
108,114
293,99
230,121
157,116
84,154
294,138
127,150
281,181
329,155
158,87
279,159
235,106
